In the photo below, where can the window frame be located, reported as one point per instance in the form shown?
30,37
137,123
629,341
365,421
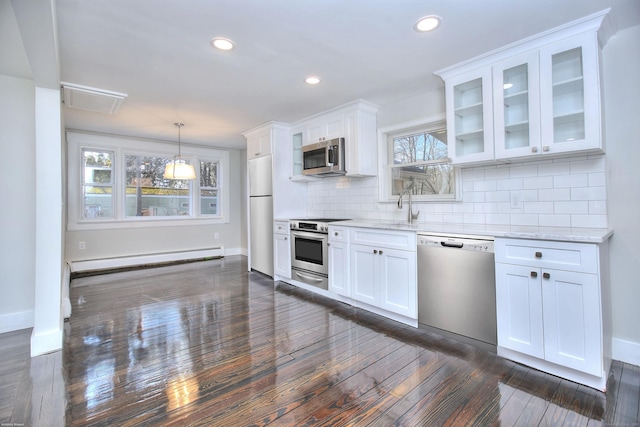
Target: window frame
122,146
386,166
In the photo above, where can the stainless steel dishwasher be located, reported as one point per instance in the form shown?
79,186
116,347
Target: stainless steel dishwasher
456,287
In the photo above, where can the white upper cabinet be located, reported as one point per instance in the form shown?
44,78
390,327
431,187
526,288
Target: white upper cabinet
516,92
570,95
356,123
470,116
259,143
536,97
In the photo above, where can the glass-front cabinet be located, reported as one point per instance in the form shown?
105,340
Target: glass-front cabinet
570,95
470,111
516,106
537,97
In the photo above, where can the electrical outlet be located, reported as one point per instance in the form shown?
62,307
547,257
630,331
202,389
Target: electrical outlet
82,245
516,201
216,235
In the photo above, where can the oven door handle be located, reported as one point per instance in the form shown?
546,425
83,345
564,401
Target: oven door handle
310,236
304,276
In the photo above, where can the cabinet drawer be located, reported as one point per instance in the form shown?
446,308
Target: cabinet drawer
338,234
580,257
281,227
384,238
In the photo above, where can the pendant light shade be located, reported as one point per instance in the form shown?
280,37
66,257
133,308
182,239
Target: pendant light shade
179,168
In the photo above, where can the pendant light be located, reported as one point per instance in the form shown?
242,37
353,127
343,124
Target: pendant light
179,168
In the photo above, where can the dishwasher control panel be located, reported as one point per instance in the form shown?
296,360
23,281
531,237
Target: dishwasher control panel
463,243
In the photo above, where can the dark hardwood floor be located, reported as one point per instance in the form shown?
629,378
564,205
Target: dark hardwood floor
209,344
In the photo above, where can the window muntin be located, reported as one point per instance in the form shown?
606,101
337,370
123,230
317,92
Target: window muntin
209,192
149,193
97,184
421,154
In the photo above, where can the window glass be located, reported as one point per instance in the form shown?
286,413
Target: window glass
148,193
97,180
420,155
209,188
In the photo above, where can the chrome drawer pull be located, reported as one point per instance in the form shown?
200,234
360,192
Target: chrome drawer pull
538,254
546,275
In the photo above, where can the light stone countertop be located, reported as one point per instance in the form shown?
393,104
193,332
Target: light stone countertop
579,235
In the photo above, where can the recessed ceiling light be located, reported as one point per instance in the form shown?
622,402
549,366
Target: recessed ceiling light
312,80
427,23
222,43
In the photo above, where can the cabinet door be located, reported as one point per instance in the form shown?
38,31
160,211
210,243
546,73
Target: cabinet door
259,145
516,97
519,309
470,116
363,274
326,127
339,269
296,148
572,320
397,276
570,95
282,255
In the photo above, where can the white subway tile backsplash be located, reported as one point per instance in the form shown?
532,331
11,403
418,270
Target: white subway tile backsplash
589,221
538,207
554,194
524,171
589,193
484,185
537,182
568,181
567,192
552,169
554,220
509,184
597,179
497,196
575,207
524,219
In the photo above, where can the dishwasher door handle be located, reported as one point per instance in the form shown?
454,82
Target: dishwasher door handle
452,245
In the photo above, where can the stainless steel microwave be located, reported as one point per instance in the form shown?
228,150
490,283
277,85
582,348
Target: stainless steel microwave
324,158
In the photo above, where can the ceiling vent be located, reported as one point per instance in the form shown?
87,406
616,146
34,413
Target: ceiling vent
91,99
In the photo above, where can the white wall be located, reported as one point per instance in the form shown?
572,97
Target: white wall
17,218
622,123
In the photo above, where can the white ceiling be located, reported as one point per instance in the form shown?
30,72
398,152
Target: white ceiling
158,53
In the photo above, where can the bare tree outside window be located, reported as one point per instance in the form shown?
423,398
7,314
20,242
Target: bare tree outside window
422,156
149,193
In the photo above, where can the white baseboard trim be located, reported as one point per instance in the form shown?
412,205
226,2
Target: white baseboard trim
46,342
234,251
626,351
133,260
15,321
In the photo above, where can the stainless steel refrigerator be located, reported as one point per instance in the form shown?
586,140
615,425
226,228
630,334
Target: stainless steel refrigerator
261,215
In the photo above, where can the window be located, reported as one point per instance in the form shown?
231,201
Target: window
116,182
208,188
149,193
97,184
418,155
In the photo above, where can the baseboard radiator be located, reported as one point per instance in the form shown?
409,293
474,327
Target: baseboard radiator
105,264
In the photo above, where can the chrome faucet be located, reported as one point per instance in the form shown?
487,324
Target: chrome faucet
407,190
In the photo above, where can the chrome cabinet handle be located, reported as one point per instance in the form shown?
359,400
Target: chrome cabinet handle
545,148
534,149
380,252
375,251
534,274
546,275
538,254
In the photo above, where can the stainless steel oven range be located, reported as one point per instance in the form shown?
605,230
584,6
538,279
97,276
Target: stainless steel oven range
309,250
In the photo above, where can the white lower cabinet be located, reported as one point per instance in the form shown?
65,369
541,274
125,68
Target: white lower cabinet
549,308
281,250
381,274
339,261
